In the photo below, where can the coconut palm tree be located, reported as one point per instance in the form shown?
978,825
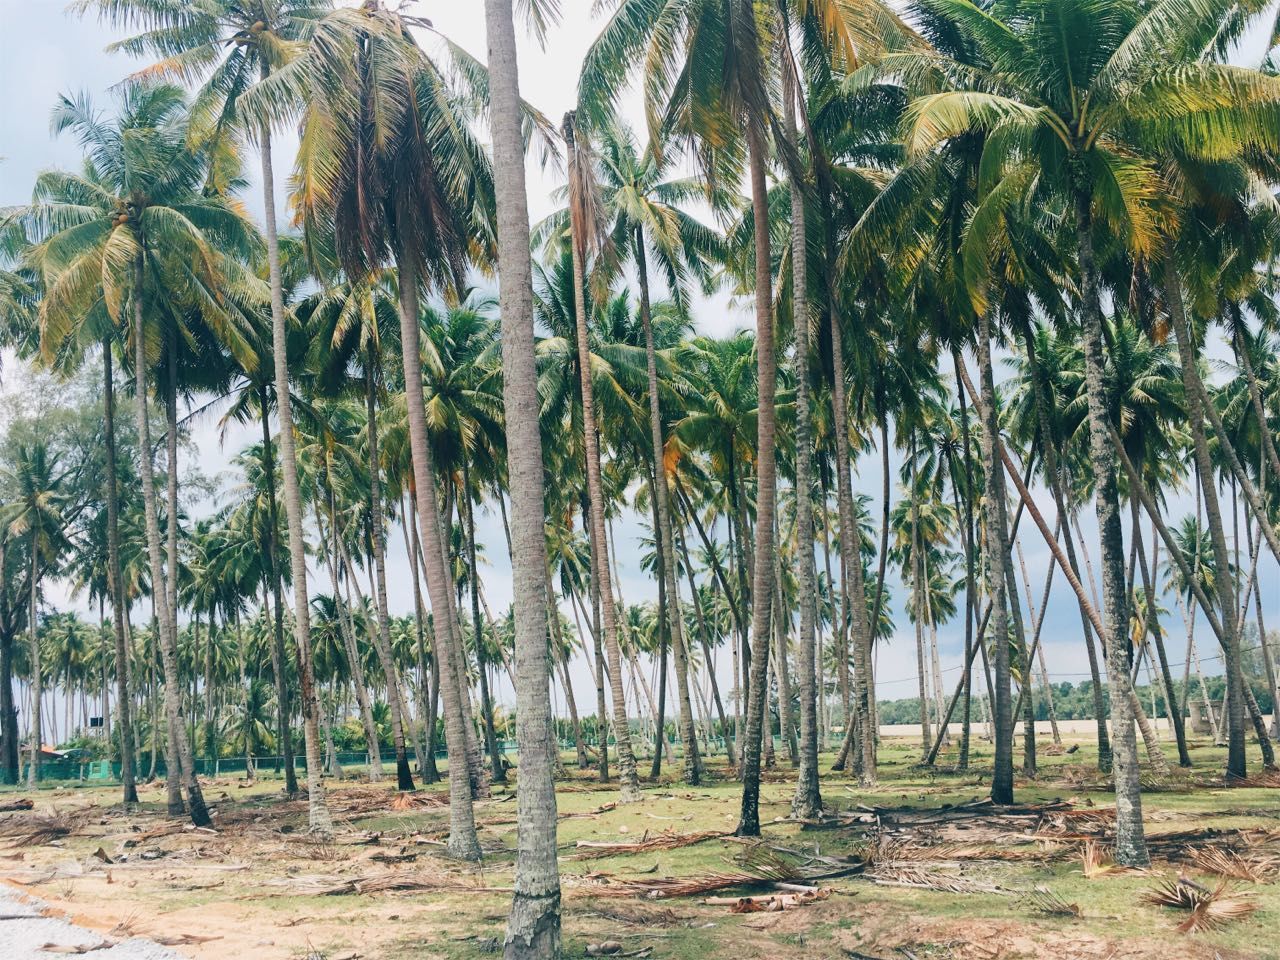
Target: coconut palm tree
401,181
533,928
36,500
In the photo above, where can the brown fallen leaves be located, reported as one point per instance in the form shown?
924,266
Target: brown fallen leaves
1207,909
665,840
771,903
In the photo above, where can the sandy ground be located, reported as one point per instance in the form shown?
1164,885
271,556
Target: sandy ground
26,932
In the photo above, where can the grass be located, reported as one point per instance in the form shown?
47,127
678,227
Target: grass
255,912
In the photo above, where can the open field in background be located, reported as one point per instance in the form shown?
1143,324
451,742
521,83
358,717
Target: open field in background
910,872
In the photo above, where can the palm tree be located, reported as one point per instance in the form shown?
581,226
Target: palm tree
533,929
401,180
135,227
35,510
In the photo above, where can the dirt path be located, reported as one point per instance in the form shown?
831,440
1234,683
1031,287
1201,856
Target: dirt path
25,932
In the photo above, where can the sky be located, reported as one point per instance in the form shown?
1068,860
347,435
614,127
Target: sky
44,52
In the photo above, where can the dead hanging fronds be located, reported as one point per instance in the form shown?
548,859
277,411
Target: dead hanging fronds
1047,903
1208,909
665,840
1233,866
36,829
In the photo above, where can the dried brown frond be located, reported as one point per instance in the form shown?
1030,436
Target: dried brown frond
1046,902
1209,909
1096,860
1224,863
36,829
415,801
666,840
920,876
761,865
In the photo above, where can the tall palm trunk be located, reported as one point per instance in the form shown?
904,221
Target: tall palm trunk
766,488
666,540
918,588
1131,848
853,591
725,731
332,556
807,802
317,809
404,779
628,778
463,843
37,677
1225,581
477,632
997,558
1054,473
160,592
533,930
278,658
124,705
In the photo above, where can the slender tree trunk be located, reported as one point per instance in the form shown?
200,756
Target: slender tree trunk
37,678
533,930
806,804
1131,847
692,772
278,658
997,558
160,592
317,809
918,588
333,555
477,630
705,642
124,705
628,778
378,536
463,843
853,593
766,489
1236,764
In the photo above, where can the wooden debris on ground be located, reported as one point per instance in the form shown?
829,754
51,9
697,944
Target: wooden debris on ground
1207,909
793,896
19,803
665,840
320,885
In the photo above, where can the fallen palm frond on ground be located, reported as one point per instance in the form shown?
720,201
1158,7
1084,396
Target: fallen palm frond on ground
319,885
924,877
1096,860
22,803
666,840
761,866
1224,863
1209,909
1047,903
36,829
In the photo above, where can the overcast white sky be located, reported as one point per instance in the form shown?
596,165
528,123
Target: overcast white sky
44,52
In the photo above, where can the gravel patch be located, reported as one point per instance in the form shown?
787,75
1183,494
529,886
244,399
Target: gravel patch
24,933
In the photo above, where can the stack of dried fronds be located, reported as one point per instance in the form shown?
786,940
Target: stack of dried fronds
665,840
1207,909
36,829
417,801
